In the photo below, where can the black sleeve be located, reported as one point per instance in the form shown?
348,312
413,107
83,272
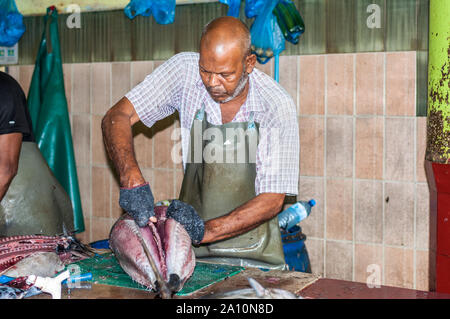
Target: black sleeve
14,115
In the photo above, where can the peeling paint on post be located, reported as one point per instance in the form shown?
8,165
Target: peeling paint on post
437,158
438,122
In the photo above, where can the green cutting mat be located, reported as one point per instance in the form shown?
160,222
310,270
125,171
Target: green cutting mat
106,270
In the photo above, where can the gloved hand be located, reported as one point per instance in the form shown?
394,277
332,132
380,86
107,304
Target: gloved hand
186,215
138,201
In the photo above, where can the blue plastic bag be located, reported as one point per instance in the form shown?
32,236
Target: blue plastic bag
11,23
162,10
234,7
267,38
253,7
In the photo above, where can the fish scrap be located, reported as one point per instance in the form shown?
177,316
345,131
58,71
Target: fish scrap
14,249
257,291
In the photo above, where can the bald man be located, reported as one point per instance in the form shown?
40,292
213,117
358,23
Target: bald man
239,142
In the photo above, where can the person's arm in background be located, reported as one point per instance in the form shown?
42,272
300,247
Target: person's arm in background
15,127
10,145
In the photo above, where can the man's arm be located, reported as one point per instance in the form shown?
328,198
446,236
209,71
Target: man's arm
135,196
10,145
118,139
256,211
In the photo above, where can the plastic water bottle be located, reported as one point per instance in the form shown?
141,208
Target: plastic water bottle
295,214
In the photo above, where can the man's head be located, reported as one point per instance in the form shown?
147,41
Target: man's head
225,58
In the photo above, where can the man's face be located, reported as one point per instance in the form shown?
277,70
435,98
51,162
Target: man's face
224,74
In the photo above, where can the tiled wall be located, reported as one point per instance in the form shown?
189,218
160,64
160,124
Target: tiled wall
362,151
362,159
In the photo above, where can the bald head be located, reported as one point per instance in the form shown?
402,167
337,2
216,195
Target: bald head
225,59
227,33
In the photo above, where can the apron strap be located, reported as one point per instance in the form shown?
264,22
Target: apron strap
200,113
251,121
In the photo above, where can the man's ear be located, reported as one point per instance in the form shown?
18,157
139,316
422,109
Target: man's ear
250,62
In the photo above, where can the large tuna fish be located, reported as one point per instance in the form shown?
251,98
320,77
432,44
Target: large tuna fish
168,244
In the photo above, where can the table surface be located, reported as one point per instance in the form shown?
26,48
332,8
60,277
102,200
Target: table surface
326,288
288,280
302,284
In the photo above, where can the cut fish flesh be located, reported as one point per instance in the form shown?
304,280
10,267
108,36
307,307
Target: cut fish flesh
168,243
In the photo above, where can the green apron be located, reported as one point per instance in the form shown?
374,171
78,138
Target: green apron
35,202
50,116
215,188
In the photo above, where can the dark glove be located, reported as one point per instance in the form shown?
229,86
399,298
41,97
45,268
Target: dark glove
186,215
138,201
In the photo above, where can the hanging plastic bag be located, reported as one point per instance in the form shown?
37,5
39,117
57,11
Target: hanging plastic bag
11,23
253,7
138,7
234,7
162,10
267,39
289,20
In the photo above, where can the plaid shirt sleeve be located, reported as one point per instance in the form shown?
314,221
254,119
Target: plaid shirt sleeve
158,96
278,152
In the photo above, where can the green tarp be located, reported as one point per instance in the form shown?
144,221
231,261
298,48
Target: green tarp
49,115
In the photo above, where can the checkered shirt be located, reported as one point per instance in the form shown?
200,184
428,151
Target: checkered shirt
176,85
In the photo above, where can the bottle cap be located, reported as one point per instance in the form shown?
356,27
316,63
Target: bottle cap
312,202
